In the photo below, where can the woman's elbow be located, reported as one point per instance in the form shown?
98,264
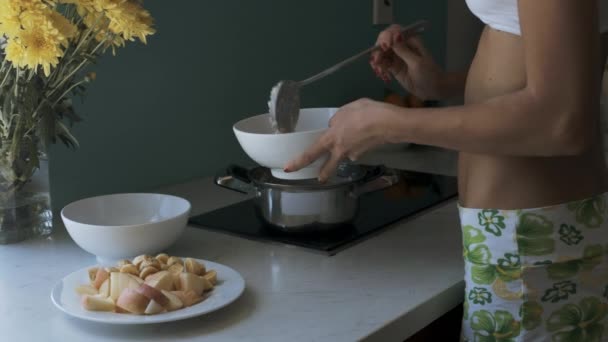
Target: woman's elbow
572,136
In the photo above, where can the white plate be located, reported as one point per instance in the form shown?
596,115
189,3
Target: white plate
230,286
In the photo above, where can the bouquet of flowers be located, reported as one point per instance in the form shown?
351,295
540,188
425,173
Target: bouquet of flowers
45,46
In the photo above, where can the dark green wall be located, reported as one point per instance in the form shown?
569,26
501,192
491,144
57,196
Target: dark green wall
162,113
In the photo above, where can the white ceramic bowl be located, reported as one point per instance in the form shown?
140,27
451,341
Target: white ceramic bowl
122,226
271,150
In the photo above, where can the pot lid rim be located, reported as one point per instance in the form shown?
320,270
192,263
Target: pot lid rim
367,173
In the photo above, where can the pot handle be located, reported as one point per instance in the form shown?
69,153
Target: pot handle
235,178
388,179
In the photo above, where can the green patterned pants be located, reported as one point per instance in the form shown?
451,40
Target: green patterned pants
537,274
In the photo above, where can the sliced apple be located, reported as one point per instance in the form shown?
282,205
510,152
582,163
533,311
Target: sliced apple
162,257
122,263
104,289
100,277
111,269
188,297
129,268
132,301
174,260
136,278
86,290
174,302
162,280
145,272
92,273
211,276
97,303
121,281
149,263
154,308
207,284
153,294
190,281
140,258
176,268
194,266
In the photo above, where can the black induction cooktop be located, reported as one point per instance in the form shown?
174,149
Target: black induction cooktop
415,193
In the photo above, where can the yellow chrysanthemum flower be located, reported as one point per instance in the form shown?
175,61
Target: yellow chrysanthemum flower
10,23
15,53
42,49
115,20
37,45
38,33
131,21
66,29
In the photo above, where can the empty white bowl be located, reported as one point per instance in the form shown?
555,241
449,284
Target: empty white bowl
258,139
122,226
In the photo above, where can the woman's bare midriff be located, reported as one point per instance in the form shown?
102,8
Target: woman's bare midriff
505,182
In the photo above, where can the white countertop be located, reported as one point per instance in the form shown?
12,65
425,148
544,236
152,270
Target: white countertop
383,289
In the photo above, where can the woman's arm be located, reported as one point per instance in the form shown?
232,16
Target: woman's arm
413,66
452,85
555,114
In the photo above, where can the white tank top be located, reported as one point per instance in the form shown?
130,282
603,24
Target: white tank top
502,14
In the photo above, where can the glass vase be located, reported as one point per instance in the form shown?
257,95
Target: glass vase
25,202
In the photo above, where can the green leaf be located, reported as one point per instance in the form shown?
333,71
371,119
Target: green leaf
592,256
574,335
563,270
534,226
484,338
594,333
483,274
593,310
472,235
33,162
483,320
531,313
506,326
589,212
536,246
568,315
534,235
508,274
479,255
67,137
8,103
46,127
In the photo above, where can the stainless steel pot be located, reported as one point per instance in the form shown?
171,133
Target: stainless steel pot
307,205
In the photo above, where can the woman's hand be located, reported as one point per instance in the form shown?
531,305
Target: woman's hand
353,130
409,62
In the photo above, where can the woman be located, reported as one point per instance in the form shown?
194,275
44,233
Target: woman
532,176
